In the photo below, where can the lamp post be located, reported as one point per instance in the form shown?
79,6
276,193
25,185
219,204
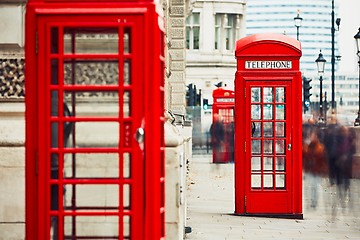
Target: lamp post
357,39
333,54
320,63
298,22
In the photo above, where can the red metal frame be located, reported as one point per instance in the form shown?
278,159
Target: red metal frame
249,199
147,196
224,107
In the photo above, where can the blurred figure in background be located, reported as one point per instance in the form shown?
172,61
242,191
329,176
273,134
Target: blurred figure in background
217,132
314,164
346,150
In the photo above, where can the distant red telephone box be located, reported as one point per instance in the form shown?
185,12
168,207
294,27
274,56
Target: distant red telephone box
94,120
268,122
222,127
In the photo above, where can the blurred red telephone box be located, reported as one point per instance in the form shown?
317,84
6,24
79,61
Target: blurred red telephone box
94,119
222,128
268,123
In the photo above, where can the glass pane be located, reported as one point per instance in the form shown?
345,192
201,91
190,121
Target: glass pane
268,181
54,228
255,95
126,196
91,165
268,163
54,40
91,72
127,104
188,37
54,71
280,94
196,32
280,112
280,181
91,197
256,181
268,111
280,146
54,134
268,146
280,129
280,164
256,146
268,129
97,134
255,163
54,103
127,72
127,165
127,40
127,227
256,112
93,103
268,95
196,18
90,40
98,227
256,129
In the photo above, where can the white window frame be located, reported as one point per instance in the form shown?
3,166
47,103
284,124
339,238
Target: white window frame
193,31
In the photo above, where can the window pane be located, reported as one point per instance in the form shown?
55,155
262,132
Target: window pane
268,146
280,112
196,31
255,95
280,181
268,163
256,129
188,37
93,103
255,146
91,72
256,112
280,146
280,164
280,129
268,181
268,94
255,163
91,165
268,129
280,94
90,40
255,181
268,111
196,18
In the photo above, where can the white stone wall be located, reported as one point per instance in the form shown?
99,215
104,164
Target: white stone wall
12,171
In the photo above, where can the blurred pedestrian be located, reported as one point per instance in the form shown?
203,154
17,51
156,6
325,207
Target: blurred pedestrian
314,165
217,132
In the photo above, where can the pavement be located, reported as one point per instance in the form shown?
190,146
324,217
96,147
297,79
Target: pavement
210,205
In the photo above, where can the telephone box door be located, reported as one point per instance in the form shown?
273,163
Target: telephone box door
90,157
268,154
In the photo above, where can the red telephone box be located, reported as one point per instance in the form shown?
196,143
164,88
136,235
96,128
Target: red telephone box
94,120
222,128
268,162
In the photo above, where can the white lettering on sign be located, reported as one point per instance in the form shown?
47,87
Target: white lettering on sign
268,64
225,100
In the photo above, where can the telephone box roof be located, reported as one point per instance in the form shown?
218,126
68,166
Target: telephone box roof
264,42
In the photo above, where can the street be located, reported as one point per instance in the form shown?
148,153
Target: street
210,207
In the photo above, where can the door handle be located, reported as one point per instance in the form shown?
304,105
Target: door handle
289,147
140,135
